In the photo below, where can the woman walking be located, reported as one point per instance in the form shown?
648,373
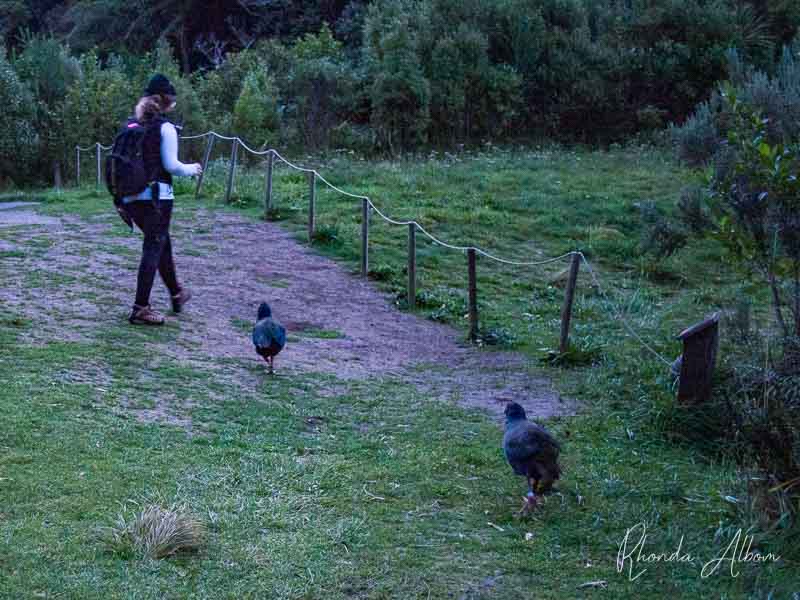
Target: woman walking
152,209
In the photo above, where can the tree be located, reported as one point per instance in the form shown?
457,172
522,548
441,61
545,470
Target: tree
119,25
189,111
37,16
194,28
255,115
221,87
18,139
47,68
400,92
97,102
319,84
459,71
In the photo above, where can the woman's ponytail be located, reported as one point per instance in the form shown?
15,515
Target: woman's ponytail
150,106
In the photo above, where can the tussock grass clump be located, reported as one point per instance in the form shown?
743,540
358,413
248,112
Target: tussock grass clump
155,532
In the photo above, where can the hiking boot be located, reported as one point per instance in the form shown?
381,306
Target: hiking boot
179,299
144,315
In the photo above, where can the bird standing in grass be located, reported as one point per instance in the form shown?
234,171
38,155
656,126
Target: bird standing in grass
531,451
269,336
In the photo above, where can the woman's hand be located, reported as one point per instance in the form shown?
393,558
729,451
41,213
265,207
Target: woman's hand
197,169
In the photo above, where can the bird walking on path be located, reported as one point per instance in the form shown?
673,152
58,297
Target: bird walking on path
532,452
269,336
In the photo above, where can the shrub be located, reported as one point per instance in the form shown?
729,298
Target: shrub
776,98
47,69
255,115
759,422
697,139
189,111
96,103
220,88
400,92
18,139
751,206
459,69
660,235
320,85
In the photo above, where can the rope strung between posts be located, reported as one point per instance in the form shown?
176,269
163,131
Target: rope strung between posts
619,316
615,315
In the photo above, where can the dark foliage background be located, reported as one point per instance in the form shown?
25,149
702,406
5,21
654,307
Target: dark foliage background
376,75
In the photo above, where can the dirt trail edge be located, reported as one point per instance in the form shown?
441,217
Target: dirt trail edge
338,323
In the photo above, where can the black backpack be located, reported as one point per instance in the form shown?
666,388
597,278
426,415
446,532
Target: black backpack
125,171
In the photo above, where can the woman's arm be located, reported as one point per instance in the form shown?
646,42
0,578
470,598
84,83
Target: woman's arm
169,153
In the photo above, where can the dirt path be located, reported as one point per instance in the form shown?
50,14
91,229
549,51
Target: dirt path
338,323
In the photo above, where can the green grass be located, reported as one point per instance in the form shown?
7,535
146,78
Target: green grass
372,490
323,334
528,205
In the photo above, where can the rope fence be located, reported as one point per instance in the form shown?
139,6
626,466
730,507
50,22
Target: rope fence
368,207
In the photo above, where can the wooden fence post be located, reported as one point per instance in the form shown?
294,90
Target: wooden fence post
699,356
412,265
312,193
472,295
97,148
364,237
229,187
78,167
569,295
206,158
268,184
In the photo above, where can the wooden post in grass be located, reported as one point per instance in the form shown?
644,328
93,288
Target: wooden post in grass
97,148
206,158
364,237
412,265
699,356
78,167
569,295
232,170
268,184
312,198
472,295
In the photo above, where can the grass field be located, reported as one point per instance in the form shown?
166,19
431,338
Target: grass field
313,487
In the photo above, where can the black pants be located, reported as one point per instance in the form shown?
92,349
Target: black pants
156,248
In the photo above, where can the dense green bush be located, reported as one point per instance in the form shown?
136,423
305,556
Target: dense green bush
255,114
400,92
96,103
397,75
48,69
189,112
18,138
470,97
220,88
776,97
319,88
698,138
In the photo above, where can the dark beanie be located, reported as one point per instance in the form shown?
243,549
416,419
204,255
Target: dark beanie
159,84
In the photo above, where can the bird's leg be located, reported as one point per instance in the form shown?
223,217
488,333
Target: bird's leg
530,500
271,366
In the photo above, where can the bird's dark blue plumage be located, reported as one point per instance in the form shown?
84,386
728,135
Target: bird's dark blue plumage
530,449
269,336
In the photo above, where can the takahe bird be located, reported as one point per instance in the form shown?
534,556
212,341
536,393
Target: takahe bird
269,336
531,451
